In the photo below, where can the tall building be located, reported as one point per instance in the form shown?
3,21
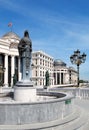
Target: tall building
59,73
42,62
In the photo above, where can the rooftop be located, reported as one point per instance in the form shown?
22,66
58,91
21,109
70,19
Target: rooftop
59,62
11,35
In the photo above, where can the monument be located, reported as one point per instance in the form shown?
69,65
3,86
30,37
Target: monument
25,54
24,89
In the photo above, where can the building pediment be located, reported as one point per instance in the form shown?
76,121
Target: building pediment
10,39
13,45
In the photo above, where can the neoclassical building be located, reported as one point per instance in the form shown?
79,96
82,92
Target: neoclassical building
64,74
41,62
58,70
9,58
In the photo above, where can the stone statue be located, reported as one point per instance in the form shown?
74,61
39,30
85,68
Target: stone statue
25,54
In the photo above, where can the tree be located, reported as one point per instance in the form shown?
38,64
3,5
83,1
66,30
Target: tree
47,78
14,79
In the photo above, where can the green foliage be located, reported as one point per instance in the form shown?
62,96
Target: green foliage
14,79
83,81
47,78
1,83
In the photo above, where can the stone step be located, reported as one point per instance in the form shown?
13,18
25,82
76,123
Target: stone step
77,124
68,121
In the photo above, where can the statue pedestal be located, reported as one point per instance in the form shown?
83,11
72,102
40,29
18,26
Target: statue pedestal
25,92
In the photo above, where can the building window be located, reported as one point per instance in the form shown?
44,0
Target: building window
40,82
40,62
43,73
43,62
43,82
36,72
36,81
36,61
40,73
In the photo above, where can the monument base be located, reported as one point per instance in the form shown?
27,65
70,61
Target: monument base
24,91
25,83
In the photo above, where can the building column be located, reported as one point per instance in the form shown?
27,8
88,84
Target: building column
63,78
19,70
56,77
60,77
6,71
12,69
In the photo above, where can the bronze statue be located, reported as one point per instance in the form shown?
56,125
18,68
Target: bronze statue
25,54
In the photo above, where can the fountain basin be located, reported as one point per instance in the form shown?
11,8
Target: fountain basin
16,112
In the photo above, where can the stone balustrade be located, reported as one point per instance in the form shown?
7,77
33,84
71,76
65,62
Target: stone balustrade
77,92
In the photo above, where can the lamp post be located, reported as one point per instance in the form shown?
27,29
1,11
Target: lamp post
77,59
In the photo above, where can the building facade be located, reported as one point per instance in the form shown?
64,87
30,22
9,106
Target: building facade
64,74
42,62
59,73
72,75
9,58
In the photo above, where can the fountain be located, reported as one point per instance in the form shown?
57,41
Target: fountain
24,107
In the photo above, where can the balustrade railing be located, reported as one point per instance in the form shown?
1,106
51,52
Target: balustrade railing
82,93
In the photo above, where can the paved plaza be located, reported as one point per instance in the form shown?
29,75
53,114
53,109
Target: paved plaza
83,103
77,120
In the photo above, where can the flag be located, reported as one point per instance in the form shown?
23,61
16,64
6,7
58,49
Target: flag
10,24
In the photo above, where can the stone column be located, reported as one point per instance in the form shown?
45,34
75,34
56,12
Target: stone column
6,71
60,77
38,68
56,77
63,78
19,71
12,69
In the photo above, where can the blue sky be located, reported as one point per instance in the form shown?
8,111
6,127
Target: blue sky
57,27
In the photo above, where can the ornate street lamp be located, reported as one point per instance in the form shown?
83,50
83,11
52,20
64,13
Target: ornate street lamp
77,59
